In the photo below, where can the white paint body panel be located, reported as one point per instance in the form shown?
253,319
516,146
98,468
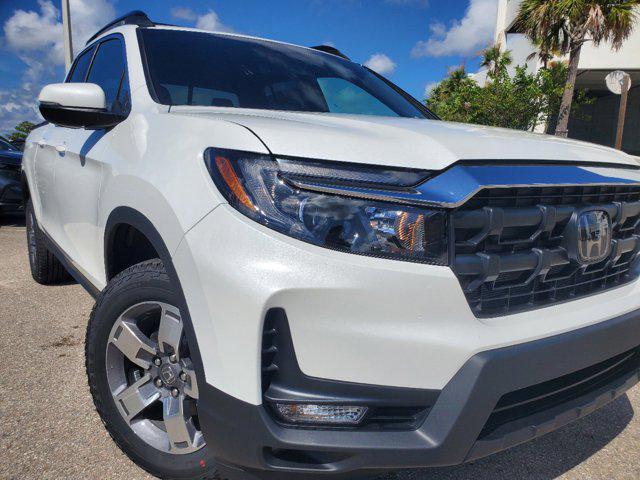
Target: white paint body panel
407,142
352,318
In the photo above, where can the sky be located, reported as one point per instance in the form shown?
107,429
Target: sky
412,42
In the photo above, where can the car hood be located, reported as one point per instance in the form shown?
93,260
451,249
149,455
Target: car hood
10,158
407,142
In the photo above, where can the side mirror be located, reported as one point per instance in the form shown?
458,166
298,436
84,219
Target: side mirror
77,105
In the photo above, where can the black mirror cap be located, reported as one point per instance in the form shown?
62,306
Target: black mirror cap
77,117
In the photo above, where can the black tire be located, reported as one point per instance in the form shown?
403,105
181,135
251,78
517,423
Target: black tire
144,282
46,269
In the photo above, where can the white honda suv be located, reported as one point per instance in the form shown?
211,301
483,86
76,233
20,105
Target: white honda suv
300,272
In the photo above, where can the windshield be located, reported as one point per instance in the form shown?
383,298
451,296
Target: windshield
192,68
5,145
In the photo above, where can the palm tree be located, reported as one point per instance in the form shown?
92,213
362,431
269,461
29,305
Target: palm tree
566,25
457,74
545,53
495,60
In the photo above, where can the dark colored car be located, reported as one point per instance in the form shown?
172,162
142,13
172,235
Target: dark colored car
10,186
19,143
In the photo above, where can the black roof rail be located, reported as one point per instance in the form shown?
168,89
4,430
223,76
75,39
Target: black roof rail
136,17
331,50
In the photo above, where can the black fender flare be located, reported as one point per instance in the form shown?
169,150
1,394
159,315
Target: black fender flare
132,217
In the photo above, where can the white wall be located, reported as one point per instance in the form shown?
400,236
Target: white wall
602,57
521,48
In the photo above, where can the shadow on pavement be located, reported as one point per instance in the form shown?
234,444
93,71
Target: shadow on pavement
545,458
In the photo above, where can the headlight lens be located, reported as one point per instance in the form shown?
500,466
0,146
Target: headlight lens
262,189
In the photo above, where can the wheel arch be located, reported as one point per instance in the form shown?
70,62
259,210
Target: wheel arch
137,220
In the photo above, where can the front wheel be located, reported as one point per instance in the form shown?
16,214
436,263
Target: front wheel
142,377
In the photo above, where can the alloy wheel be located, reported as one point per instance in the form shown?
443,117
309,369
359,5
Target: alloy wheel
152,379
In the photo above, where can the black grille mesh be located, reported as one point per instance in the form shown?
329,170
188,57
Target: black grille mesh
511,252
542,397
269,351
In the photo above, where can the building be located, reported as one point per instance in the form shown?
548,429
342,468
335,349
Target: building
598,122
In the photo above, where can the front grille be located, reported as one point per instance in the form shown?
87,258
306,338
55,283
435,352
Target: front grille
511,253
515,407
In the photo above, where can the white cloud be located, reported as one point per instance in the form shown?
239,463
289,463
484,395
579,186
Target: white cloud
15,106
184,13
35,37
211,21
208,21
438,29
87,17
31,31
429,88
464,36
381,63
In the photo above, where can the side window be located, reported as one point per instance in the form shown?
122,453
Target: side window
81,66
109,70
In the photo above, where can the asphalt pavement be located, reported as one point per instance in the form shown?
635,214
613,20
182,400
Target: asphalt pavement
50,430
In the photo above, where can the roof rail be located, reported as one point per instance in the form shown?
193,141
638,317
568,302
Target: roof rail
331,50
136,17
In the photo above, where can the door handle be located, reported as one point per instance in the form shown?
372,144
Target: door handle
61,148
42,143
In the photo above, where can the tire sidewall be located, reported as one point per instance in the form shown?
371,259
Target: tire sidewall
31,232
124,291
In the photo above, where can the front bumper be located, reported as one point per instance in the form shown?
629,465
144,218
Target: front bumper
600,361
352,318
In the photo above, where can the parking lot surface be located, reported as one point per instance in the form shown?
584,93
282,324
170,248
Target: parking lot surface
50,430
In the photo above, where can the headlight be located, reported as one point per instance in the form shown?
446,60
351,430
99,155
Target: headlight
264,189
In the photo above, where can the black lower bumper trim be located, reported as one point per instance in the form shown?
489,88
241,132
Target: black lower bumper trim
69,266
389,408
246,435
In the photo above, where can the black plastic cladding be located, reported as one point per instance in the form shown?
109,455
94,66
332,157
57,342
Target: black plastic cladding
390,408
520,404
243,434
514,249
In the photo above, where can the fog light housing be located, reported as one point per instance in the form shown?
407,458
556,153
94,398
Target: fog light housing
313,414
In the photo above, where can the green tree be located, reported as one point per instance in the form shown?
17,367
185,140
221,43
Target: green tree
457,98
521,101
21,131
566,25
495,60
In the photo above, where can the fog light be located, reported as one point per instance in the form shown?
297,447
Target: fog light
320,414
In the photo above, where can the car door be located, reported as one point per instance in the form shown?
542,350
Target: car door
79,166
47,156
